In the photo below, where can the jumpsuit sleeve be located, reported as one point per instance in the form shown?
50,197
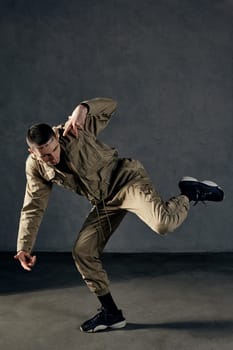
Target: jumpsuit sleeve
35,202
100,111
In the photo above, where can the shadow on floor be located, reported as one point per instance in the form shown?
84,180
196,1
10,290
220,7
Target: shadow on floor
225,326
57,270
51,271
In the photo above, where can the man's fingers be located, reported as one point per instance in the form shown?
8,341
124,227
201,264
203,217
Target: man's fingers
72,129
32,261
26,260
25,265
66,130
72,126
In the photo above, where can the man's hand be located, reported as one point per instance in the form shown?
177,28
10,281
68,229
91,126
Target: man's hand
76,120
26,260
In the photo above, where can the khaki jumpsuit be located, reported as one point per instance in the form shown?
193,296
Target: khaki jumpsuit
113,185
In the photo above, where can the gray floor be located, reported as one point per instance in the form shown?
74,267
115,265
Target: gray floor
170,302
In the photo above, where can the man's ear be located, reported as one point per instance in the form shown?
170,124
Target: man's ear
30,150
56,132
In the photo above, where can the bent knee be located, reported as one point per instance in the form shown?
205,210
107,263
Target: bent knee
79,252
84,253
161,228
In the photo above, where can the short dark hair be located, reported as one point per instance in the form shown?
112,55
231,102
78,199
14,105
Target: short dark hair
39,134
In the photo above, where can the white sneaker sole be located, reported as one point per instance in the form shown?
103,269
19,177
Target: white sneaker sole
188,178
119,325
193,179
102,327
209,183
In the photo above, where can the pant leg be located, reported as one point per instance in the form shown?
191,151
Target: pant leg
95,233
142,199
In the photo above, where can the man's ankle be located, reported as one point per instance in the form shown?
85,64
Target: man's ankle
108,303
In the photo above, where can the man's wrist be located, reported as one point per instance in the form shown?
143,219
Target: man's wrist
24,251
81,108
85,105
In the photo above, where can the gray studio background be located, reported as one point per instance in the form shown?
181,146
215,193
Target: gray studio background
168,64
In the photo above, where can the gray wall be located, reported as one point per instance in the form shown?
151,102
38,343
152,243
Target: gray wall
169,65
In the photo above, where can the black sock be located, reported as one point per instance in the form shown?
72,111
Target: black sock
108,303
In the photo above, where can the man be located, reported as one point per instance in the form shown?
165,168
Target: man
70,155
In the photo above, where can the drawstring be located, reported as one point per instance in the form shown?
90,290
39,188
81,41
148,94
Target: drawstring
98,214
109,222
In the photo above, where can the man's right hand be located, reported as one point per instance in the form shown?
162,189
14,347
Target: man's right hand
76,121
26,260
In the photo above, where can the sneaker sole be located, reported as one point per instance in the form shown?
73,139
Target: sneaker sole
210,183
118,325
188,178
193,179
102,327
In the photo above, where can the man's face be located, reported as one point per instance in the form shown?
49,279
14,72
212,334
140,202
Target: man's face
48,153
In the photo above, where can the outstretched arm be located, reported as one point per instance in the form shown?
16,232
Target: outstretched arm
35,202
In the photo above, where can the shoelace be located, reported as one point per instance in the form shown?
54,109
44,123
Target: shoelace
197,200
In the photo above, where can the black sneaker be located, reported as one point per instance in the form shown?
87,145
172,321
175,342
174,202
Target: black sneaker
200,190
103,320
